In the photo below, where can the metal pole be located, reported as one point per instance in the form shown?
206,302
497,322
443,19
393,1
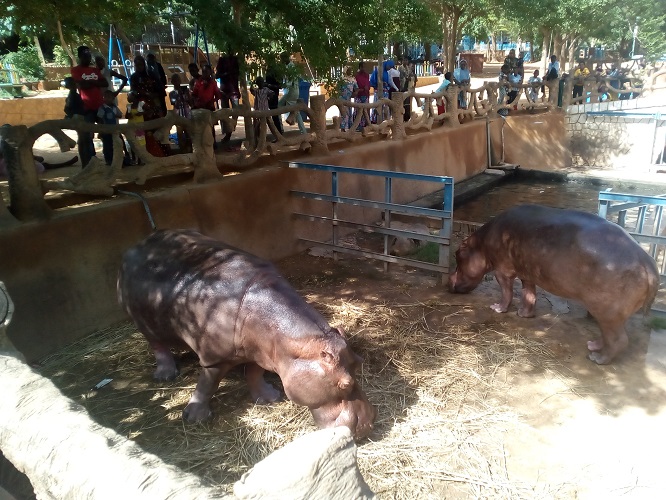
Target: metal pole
108,61
196,45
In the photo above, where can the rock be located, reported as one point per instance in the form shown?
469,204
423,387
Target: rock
321,464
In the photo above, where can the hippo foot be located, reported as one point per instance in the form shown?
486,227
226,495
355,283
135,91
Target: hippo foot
595,345
525,312
599,358
498,308
266,394
165,373
197,412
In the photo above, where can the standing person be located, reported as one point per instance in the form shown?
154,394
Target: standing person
108,74
148,90
393,79
157,70
108,114
134,114
261,94
206,93
363,93
511,61
90,82
193,69
552,73
181,100
273,84
579,79
228,72
291,92
441,101
462,77
348,89
409,86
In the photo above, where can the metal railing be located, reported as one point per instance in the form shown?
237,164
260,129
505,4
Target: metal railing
642,217
386,208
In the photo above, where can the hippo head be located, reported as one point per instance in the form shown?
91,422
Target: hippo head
323,379
472,266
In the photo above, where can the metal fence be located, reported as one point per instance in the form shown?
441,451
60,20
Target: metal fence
385,208
643,218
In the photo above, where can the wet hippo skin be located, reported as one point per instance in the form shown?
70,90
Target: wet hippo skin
569,253
183,289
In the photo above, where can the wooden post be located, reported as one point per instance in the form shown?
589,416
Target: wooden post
318,124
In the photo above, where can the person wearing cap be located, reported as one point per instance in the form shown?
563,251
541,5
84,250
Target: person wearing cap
90,82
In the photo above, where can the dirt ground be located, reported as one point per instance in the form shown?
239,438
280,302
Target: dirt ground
472,404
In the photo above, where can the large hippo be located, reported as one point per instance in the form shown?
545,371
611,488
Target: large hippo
572,254
183,289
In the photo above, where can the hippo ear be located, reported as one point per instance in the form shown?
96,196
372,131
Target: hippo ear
327,359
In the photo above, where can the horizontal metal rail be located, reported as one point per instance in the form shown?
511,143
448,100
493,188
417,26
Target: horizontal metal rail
369,228
387,207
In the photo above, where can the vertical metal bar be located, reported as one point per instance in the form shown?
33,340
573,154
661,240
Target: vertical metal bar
640,222
603,208
334,205
446,229
658,213
387,217
622,218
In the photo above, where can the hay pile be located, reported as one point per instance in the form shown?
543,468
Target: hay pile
439,427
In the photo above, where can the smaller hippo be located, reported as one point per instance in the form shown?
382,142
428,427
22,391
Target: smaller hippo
183,289
569,253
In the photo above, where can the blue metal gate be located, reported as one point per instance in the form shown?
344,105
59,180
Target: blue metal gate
385,208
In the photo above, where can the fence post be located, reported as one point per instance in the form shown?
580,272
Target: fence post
25,193
398,112
451,96
205,167
318,124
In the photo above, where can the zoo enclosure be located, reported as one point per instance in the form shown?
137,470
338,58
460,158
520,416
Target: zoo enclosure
387,208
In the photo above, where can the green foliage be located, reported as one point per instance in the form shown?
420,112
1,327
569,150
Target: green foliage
27,63
60,57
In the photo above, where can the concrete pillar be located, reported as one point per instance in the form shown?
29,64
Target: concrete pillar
398,112
205,166
25,193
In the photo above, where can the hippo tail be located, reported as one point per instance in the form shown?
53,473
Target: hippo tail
653,280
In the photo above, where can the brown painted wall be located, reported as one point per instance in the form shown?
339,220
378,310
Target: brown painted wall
61,274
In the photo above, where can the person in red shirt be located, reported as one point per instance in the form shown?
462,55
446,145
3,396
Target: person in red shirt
90,82
206,93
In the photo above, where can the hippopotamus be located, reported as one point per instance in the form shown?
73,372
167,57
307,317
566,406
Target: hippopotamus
569,253
183,289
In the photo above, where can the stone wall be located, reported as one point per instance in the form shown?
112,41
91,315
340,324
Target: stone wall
617,134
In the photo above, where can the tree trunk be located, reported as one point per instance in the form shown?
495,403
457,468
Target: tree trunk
64,45
427,46
545,49
491,47
445,43
558,49
571,55
39,51
454,35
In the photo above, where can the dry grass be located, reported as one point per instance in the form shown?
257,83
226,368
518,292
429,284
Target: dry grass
440,422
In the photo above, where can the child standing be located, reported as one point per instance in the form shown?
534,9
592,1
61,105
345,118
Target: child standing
108,114
181,100
261,94
134,114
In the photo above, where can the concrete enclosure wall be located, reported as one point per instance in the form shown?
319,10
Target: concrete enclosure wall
61,273
625,135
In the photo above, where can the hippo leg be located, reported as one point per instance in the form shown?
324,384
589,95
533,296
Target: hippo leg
166,365
261,391
198,408
506,284
613,341
527,300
